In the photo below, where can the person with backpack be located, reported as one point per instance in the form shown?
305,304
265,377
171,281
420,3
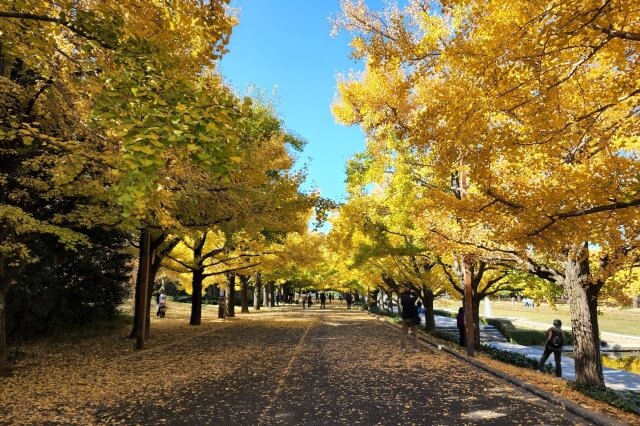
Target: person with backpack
554,339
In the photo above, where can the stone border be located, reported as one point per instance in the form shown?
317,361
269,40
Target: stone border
570,406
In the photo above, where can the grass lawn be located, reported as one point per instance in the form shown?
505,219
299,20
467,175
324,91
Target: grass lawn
610,320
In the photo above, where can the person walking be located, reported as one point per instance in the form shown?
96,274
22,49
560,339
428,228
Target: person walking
460,325
162,304
410,319
157,296
323,300
553,342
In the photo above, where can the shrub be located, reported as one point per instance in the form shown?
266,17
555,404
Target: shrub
183,298
444,335
443,313
525,337
379,311
522,336
510,357
627,400
66,291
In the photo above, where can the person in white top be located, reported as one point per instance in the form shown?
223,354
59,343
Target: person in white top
162,304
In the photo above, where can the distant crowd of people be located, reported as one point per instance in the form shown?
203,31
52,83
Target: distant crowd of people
528,302
412,310
308,299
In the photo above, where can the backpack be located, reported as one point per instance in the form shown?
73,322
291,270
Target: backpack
557,340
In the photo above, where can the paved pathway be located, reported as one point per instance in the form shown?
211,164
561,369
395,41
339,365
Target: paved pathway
328,367
615,379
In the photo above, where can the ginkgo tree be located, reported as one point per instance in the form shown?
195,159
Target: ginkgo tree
420,251
34,173
295,256
124,70
201,258
376,235
623,287
127,65
239,214
534,107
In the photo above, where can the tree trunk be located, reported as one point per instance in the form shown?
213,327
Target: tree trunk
136,300
476,322
4,364
470,314
264,296
257,292
267,295
2,59
373,300
231,300
272,293
196,297
146,256
427,300
155,267
583,304
244,286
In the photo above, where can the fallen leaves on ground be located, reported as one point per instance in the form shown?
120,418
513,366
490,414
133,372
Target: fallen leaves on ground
556,386
267,374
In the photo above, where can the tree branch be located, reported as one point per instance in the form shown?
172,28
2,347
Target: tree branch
232,270
59,21
626,35
618,205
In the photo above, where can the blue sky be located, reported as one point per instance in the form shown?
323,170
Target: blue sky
285,45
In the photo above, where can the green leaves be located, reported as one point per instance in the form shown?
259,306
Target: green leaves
21,223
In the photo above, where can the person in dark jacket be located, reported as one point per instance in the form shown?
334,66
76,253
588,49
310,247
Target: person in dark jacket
460,324
349,299
410,319
553,339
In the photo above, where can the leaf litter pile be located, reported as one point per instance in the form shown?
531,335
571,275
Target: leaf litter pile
275,366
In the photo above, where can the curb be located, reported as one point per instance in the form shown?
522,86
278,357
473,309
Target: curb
565,404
